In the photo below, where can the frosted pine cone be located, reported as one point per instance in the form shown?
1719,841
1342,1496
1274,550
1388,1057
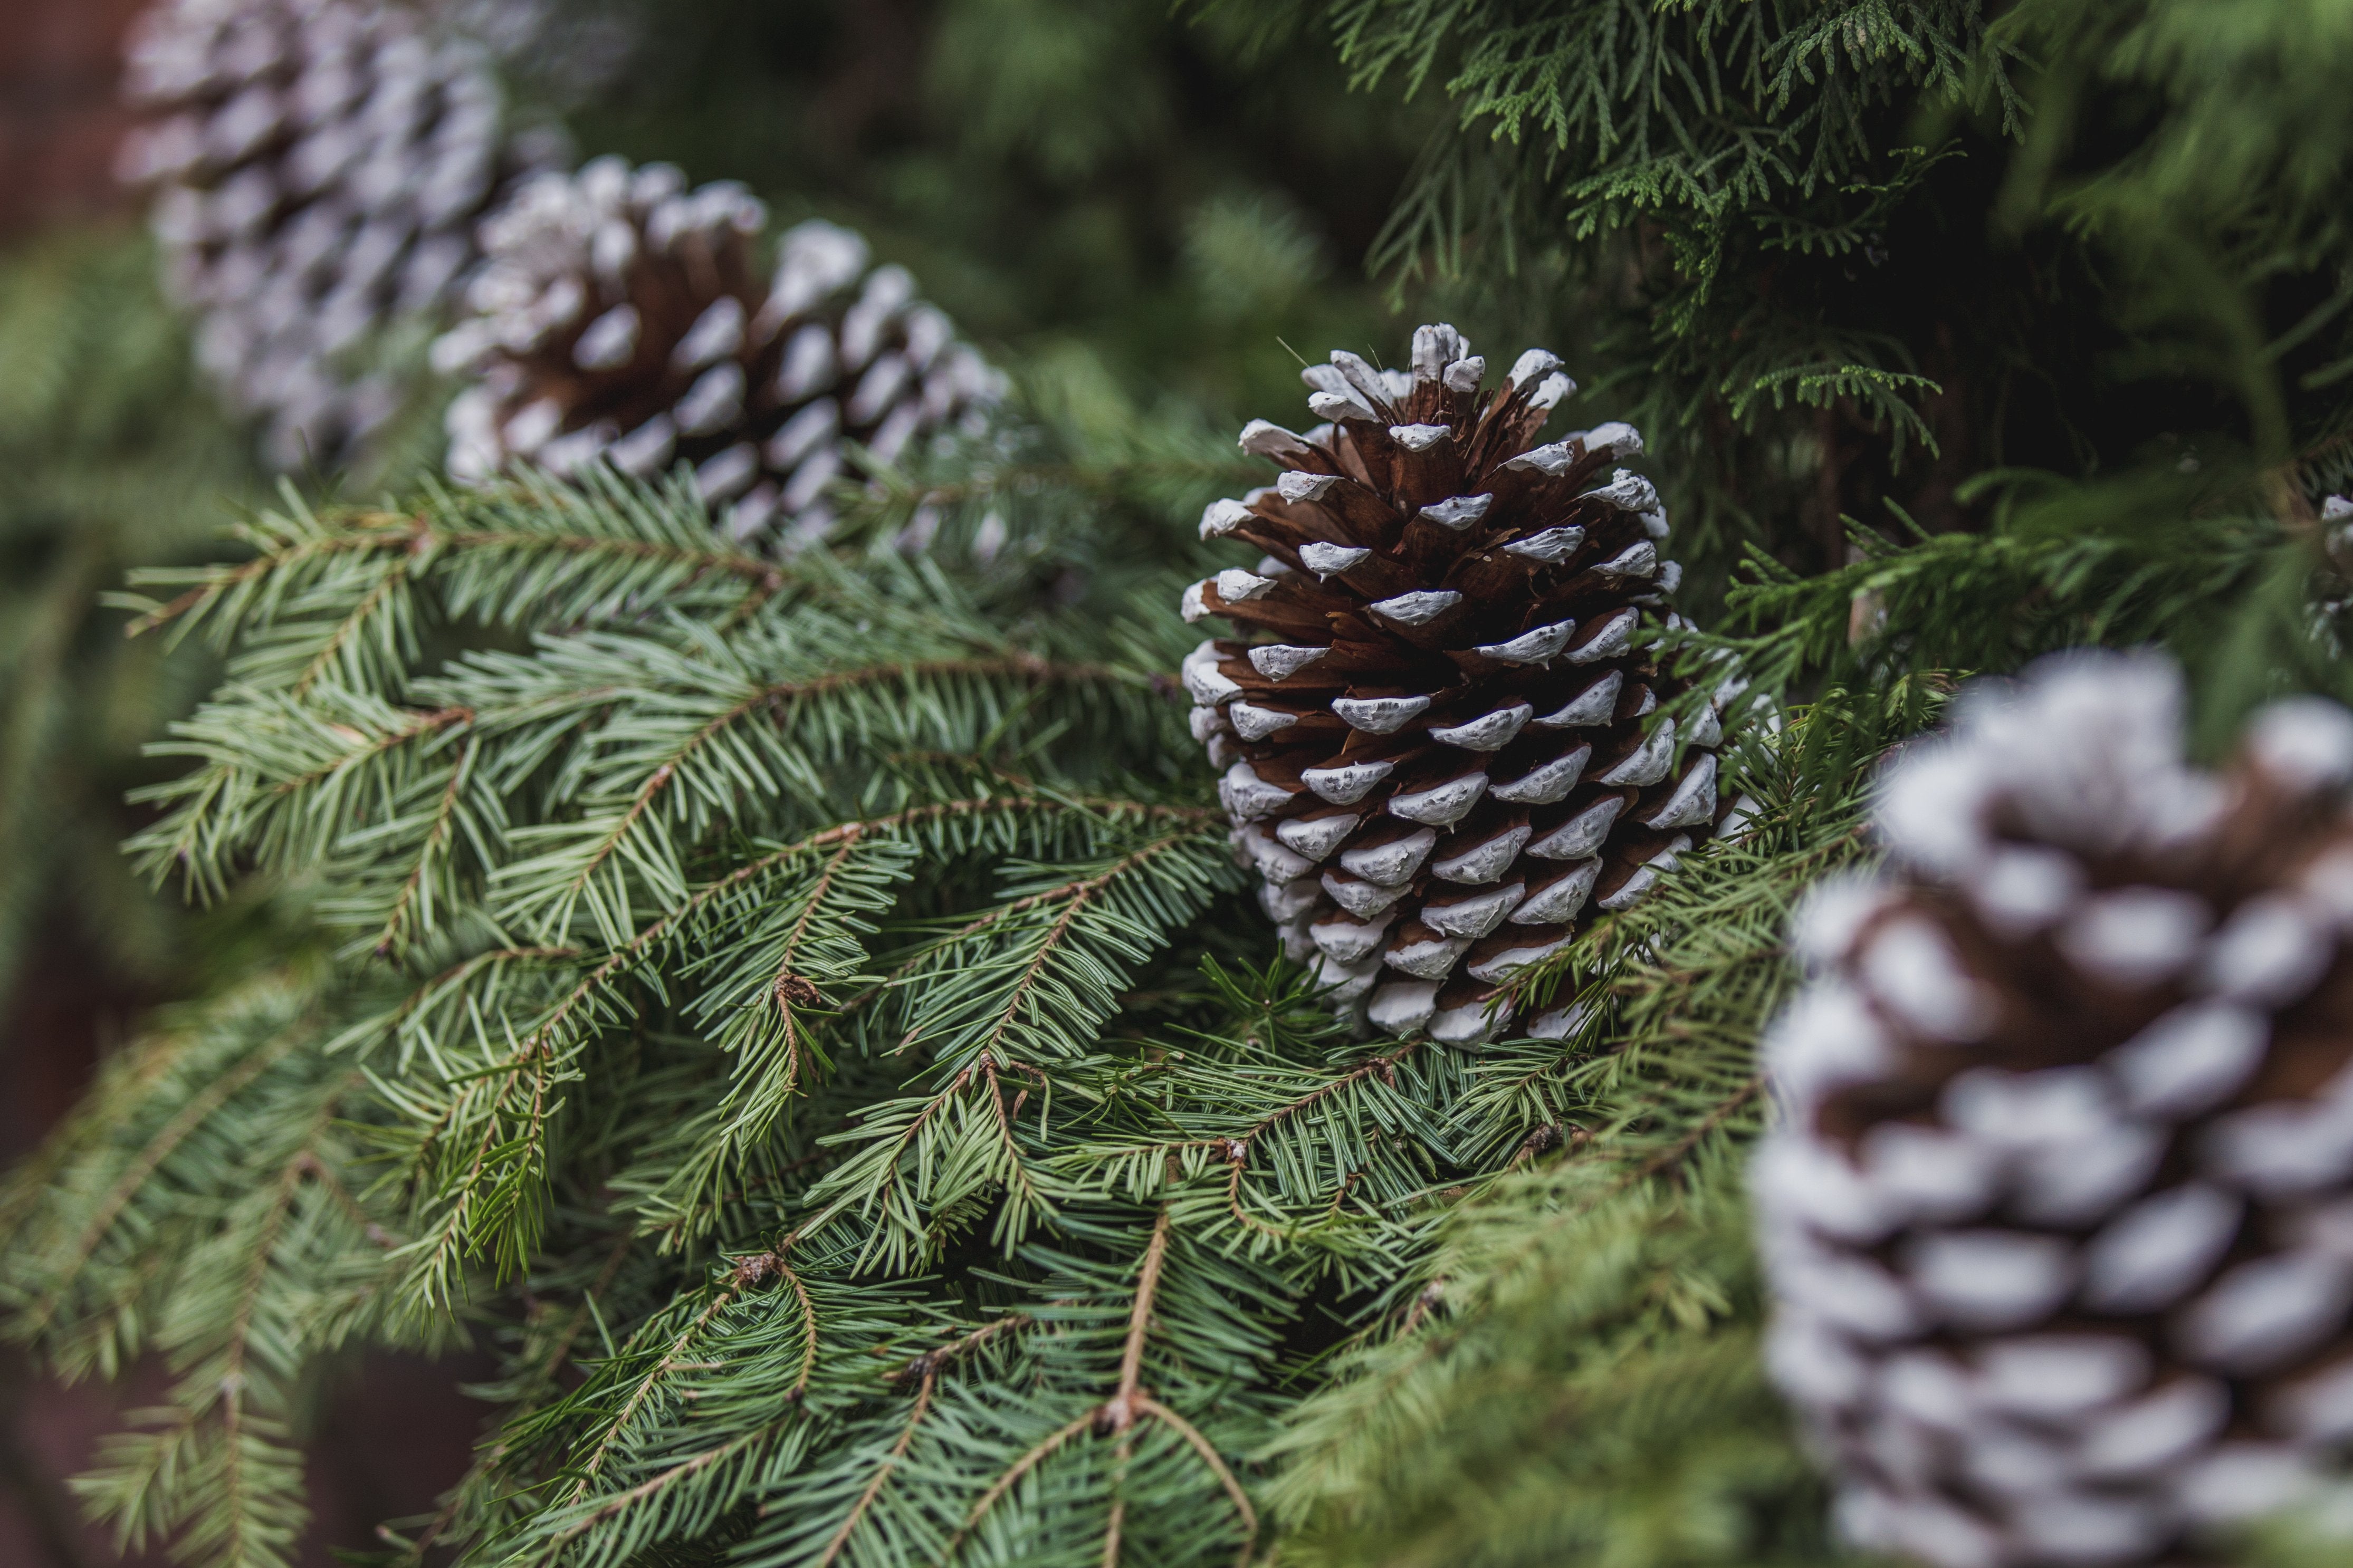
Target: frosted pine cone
318,165
621,316
2337,533
2060,1208
1434,725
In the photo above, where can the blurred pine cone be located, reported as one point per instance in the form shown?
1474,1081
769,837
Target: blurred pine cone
1439,756
622,316
2060,1212
319,168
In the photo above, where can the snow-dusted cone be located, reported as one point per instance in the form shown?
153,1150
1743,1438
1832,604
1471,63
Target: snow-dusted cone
319,168
1434,723
624,317
2058,1209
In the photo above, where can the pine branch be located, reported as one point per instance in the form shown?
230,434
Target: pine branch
212,1221
925,1371
721,982
1116,1416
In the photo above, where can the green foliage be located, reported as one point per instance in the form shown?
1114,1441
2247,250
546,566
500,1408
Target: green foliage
2195,564
2226,228
211,1206
1837,258
1704,110
1596,1397
1067,178
807,1009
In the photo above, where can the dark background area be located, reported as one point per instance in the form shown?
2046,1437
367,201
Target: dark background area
60,119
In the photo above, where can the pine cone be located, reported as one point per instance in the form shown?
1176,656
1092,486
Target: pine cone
621,317
2337,533
2058,1212
1437,756
320,165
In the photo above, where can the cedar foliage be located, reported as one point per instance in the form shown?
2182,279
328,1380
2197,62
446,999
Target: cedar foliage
805,1018
1878,259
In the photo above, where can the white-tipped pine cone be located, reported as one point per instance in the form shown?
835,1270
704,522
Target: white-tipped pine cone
2058,1209
621,316
319,166
1434,726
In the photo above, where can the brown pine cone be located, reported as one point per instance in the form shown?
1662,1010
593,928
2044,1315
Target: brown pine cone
2059,1210
1434,725
622,316
320,165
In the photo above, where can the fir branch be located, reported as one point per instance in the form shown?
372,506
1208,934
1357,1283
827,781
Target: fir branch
553,554
227,1080
1116,1416
925,1371
219,1225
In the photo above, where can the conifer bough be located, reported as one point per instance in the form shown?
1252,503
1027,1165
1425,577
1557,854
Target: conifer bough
828,1108
2060,1213
1438,734
320,165
622,316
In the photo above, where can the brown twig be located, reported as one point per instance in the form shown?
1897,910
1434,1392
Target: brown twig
1021,1467
925,1369
1226,1477
348,626
1118,1416
645,1388
390,937
1118,1411
1385,1067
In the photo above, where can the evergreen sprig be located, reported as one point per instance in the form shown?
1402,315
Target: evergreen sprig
214,1207
807,1009
1697,109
